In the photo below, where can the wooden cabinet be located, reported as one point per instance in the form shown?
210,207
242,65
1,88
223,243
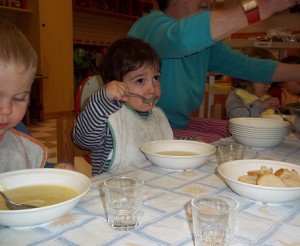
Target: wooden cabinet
56,56
13,10
48,26
101,22
131,9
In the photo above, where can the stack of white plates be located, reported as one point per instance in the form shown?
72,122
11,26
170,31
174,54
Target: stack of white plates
258,132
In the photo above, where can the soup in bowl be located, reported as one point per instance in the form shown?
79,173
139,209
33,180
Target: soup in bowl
54,191
177,154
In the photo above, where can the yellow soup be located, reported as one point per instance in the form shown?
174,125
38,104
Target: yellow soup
177,153
39,195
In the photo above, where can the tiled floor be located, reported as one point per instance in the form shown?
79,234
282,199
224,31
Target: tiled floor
45,132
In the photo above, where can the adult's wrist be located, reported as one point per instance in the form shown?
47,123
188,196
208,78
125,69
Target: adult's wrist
250,8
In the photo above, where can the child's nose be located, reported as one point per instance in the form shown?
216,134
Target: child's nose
152,87
5,108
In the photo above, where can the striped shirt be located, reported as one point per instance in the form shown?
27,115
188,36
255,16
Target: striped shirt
93,131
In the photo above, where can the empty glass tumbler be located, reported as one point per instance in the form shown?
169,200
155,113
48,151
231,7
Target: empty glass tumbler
123,198
214,220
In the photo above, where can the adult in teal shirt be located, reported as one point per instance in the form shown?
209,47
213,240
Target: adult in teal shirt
189,37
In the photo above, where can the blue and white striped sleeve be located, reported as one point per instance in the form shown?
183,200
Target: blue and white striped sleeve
91,127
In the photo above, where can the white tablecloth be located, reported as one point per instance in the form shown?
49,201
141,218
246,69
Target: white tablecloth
166,215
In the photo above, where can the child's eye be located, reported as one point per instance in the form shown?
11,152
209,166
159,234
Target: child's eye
20,99
140,81
156,78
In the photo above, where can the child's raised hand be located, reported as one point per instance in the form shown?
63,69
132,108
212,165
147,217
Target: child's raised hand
116,90
270,103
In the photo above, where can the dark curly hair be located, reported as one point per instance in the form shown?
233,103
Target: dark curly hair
291,59
126,55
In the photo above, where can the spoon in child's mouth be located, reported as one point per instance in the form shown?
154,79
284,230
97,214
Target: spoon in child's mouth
145,100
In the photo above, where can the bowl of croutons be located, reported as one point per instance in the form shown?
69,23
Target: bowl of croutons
263,181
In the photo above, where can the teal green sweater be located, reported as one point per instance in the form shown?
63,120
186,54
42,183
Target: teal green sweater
188,53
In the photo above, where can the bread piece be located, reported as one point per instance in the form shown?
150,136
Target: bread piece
270,180
294,174
248,179
284,173
254,173
291,182
263,171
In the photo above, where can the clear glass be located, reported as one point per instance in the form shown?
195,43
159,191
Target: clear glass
123,198
229,152
214,220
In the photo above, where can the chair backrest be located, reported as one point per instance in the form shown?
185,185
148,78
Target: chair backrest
66,148
86,88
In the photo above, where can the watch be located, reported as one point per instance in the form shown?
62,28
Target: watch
251,10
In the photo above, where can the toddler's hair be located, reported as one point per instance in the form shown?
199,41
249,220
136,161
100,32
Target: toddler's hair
126,55
291,59
16,50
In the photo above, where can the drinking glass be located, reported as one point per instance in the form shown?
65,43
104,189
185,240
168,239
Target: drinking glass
214,220
229,152
123,198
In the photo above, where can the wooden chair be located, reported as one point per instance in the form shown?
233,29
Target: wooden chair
66,149
86,88
214,87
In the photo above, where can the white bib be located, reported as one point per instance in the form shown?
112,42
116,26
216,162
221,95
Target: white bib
129,130
20,151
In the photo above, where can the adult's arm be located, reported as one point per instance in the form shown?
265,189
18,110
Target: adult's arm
286,72
225,22
224,60
176,38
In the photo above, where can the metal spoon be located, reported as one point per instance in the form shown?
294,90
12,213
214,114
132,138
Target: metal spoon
145,100
281,115
15,206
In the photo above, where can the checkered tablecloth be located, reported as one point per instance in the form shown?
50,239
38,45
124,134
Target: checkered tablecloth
166,214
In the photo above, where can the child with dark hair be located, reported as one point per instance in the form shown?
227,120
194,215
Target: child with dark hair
250,98
288,91
115,122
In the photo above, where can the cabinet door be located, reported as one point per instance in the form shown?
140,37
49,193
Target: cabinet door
56,54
